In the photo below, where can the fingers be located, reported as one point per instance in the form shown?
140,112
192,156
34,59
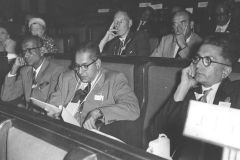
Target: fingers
192,70
112,26
89,124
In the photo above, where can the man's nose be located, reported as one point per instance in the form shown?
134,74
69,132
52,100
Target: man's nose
26,54
199,64
81,71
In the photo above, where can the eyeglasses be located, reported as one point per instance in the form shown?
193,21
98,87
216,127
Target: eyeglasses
29,50
84,67
206,61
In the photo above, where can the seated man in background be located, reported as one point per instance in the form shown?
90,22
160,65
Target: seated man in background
92,93
31,75
183,42
206,80
119,40
223,20
146,22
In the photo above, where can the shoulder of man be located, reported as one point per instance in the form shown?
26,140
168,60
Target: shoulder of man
25,69
111,74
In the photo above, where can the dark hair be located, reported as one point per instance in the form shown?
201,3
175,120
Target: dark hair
36,39
91,48
229,44
150,9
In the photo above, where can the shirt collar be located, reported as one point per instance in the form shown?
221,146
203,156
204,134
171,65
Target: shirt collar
123,38
213,87
224,27
38,69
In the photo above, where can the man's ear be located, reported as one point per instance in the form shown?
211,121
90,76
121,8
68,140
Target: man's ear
226,71
130,23
192,25
98,63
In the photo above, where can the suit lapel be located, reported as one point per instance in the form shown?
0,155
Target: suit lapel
223,92
42,70
28,78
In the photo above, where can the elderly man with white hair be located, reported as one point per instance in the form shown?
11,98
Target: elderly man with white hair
37,27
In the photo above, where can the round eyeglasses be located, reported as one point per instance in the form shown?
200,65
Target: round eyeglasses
84,67
29,50
207,61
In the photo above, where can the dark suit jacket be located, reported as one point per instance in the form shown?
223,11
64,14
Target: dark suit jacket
137,44
117,102
233,27
171,119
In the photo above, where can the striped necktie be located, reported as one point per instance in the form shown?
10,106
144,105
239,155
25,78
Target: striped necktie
205,94
80,95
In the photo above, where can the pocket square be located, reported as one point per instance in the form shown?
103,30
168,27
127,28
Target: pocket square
228,99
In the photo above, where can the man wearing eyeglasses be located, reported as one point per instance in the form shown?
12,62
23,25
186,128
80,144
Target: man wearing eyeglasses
205,79
93,94
31,75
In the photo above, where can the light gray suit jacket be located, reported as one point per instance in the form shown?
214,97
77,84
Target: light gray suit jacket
168,43
118,100
21,85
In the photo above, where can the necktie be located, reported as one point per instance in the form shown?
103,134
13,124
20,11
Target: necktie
120,48
34,82
177,54
204,97
139,26
80,95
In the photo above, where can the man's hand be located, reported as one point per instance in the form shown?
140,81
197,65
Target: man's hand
187,81
55,115
111,33
180,34
188,76
91,119
181,41
17,64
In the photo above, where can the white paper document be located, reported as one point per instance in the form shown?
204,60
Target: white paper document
213,123
68,117
45,106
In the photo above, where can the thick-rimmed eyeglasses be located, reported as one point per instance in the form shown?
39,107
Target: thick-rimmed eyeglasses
29,50
207,61
84,67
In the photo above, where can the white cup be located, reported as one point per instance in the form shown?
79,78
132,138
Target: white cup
160,147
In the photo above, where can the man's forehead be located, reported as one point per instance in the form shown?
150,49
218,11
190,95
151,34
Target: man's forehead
120,16
180,18
210,50
29,43
83,57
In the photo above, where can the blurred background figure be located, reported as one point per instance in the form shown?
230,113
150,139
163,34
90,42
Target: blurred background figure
7,45
146,23
37,27
222,19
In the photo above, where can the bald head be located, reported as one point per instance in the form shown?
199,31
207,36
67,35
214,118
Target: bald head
122,23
